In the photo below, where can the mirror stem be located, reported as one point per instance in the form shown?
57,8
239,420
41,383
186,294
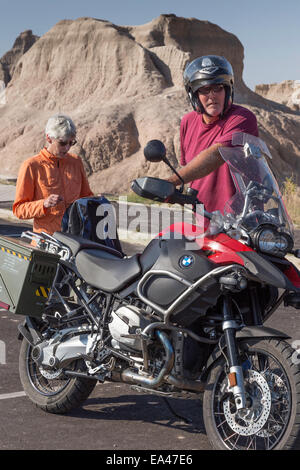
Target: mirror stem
165,160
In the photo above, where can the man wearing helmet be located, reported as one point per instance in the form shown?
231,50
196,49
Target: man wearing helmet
209,81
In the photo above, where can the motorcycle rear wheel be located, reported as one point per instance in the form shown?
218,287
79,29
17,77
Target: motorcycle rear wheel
272,419
51,391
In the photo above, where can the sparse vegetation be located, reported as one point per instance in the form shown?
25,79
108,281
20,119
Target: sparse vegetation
291,196
132,198
9,181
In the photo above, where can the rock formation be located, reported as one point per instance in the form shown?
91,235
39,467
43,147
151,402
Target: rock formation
123,86
21,45
287,93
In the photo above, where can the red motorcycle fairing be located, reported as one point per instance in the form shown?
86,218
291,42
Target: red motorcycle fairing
220,248
293,275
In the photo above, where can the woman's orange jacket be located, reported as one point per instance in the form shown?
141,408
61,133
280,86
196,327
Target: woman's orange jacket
45,174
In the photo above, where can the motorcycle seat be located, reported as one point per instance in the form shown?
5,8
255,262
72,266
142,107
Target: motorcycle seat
105,271
76,244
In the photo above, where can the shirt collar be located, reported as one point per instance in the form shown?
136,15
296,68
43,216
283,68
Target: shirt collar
45,152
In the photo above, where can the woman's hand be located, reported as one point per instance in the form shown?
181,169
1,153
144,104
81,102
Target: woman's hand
52,200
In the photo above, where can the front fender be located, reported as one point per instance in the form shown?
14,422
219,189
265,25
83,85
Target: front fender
260,332
249,332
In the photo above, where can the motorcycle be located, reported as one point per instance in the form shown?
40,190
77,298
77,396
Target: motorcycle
184,318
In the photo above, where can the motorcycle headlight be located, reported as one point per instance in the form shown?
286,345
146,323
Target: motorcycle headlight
269,240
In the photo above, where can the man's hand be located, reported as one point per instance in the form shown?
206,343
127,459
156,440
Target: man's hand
174,179
52,200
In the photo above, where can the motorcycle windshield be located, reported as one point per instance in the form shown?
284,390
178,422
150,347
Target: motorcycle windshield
258,199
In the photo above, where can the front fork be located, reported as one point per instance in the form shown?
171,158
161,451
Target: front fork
235,376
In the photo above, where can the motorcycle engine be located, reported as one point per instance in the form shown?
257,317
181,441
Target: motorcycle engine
127,320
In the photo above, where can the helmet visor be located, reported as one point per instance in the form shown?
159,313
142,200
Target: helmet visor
201,82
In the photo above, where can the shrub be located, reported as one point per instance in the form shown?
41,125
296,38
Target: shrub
291,197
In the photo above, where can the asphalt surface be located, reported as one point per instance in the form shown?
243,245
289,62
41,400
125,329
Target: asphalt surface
115,417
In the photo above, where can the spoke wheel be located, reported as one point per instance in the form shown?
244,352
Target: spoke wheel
271,419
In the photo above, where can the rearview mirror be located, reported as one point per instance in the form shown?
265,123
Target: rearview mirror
155,151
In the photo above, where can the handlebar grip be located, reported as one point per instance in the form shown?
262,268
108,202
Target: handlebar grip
179,198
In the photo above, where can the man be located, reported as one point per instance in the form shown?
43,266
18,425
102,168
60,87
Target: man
49,182
209,83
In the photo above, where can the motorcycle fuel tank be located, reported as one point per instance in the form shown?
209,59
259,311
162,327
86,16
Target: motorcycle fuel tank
180,257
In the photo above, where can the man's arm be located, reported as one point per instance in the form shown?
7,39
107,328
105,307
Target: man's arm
202,165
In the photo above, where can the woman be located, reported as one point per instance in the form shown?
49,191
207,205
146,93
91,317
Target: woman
49,182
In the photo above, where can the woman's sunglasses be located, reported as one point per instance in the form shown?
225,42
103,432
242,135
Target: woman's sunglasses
62,143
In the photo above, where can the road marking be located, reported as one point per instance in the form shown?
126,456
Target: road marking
4,396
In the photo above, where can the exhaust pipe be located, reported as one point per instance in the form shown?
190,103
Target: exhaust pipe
152,382
128,376
184,384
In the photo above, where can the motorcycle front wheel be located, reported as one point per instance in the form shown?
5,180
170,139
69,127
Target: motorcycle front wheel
50,389
271,420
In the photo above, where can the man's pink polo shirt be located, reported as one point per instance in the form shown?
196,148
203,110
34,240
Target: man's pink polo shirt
217,188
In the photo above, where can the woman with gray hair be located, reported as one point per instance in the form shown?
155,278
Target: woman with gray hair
51,181
59,126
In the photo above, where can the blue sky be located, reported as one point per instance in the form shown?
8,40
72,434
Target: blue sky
268,29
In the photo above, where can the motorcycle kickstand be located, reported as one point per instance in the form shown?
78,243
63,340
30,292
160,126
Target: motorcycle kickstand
182,418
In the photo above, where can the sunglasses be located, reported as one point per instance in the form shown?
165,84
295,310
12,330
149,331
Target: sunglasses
70,143
207,89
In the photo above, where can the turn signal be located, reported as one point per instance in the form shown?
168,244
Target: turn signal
232,379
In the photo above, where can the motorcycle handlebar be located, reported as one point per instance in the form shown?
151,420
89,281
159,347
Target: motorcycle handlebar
182,199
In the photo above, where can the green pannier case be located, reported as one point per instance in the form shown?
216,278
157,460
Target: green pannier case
26,277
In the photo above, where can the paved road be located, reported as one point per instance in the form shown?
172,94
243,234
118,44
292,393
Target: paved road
114,418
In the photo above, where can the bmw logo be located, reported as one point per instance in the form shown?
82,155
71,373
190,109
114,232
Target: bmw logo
186,261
